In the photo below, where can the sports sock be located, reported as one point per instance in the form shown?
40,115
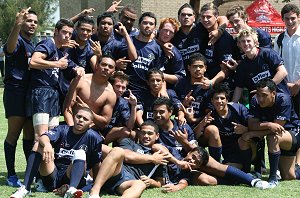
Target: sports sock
33,163
274,161
215,152
10,152
297,172
246,159
77,172
238,176
27,146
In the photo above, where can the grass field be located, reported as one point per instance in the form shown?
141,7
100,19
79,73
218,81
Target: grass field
285,189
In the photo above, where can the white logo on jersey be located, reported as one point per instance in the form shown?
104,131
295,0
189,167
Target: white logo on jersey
260,76
149,115
140,151
83,147
189,50
281,118
65,153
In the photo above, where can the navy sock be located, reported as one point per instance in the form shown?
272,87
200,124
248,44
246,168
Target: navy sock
274,161
10,153
238,176
77,172
215,152
246,159
32,168
27,146
297,172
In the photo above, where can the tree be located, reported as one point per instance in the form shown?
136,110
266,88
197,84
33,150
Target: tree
9,9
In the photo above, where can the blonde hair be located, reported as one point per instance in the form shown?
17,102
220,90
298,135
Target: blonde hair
248,32
173,22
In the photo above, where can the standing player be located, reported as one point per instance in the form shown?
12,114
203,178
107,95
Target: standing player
272,115
18,51
63,154
45,65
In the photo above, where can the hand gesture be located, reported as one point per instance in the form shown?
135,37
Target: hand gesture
169,188
180,136
22,16
96,47
208,118
121,29
79,71
70,44
188,99
80,103
167,47
214,36
131,99
146,180
230,64
238,128
48,153
181,119
62,63
122,63
115,6
87,12
160,158
205,84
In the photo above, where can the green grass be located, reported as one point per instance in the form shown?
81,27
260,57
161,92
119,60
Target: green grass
285,189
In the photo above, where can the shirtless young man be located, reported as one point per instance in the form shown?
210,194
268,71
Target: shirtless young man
93,91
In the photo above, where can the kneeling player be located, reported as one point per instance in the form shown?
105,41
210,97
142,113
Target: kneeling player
62,155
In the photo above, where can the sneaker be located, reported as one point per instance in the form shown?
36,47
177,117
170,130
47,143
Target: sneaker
39,186
73,193
273,184
13,181
260,184
61,191
93,196
20,193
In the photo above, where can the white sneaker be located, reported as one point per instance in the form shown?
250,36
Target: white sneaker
20,193
260,184
39,186
73,193
93,196
272,184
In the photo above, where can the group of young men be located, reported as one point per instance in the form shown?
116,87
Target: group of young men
159,96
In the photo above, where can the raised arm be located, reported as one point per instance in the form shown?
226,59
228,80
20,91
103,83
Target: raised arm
85,12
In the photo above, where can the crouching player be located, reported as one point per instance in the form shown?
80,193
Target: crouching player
62,155
272,115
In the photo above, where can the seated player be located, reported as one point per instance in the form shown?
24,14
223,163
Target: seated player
230,120
179,140
191,92
63,154
124,112
128,171
272,115
155,79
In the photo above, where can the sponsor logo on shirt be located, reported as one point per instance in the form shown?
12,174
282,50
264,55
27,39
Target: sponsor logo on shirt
149,115
260,76
281,118
189,50
140,151
65,153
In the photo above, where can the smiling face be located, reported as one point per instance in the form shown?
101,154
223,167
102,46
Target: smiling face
291,21
30,24
82,121
161,114
219,102
247,44
147,135
209,20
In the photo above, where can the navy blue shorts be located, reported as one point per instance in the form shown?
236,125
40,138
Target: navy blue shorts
44,100
59,177
295,144
14,100
114,182
231,154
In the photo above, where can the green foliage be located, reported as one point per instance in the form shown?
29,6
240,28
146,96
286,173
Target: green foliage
9,9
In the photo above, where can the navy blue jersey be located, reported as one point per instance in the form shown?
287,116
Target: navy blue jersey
119,37
111,47
82,56
17,72
174,65
167,139
148,57
194,42
201,96
237,113
264,65
264,38
137,170
148,99
281,110
47,77
64,142
120,115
